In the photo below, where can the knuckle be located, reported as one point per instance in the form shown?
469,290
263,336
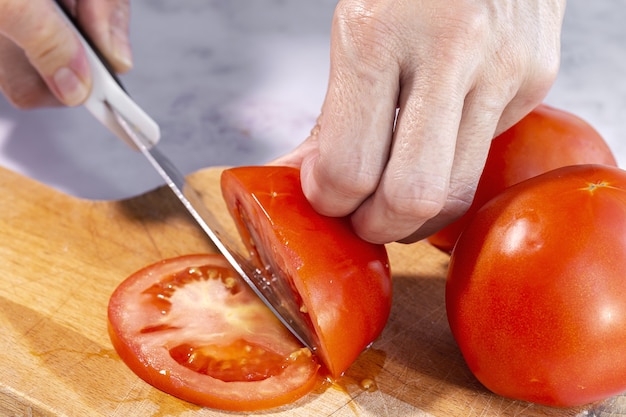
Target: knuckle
349,182
363,35
45,52
435,198
408,217
356,18
42,35
457,28
457,204
420,204
544,74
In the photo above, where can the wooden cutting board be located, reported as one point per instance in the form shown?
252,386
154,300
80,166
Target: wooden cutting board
61,257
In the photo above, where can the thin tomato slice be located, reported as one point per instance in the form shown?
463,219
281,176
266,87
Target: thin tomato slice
190,327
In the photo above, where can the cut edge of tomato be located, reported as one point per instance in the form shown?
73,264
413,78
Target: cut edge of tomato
161,380
255,246
242,210
156,369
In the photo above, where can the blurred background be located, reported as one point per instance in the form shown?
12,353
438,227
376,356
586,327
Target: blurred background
236,85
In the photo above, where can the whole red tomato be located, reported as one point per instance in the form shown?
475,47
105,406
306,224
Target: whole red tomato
536,289
547,138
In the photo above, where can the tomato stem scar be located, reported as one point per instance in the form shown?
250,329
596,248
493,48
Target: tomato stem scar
593,186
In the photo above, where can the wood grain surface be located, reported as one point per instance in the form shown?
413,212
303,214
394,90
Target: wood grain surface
61,257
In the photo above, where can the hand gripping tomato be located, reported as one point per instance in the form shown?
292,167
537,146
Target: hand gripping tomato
342,281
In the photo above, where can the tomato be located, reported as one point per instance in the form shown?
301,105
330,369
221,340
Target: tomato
192,328
536,288
342,282
547,138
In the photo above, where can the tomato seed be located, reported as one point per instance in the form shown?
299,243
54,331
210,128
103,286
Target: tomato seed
230,282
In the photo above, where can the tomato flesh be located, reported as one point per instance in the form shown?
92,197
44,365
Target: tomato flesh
239,361
547,138
536,288
342,282
192,328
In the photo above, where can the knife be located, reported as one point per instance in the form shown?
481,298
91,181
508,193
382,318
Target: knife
114,108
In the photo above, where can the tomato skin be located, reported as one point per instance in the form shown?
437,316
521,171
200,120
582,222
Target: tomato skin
138,323
547,138
344,282
536,288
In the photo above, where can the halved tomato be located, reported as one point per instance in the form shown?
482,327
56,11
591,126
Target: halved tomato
192,328
342,282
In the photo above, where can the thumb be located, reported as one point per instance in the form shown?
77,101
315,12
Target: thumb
50,45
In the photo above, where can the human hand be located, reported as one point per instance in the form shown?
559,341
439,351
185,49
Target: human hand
459,73
41,60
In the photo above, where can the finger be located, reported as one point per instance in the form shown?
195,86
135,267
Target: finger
477,127
20,83
357,118
414,186
482,120
530,95
107,25
50,46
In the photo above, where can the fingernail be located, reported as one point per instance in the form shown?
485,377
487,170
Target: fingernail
70,86
119,38
122,52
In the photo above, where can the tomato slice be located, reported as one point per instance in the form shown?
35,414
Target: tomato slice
192,328
342,282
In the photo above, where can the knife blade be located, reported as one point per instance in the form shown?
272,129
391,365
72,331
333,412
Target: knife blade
114,108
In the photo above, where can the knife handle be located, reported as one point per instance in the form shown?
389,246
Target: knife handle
108,94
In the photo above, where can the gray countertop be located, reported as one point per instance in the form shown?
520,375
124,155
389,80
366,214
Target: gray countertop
235,83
